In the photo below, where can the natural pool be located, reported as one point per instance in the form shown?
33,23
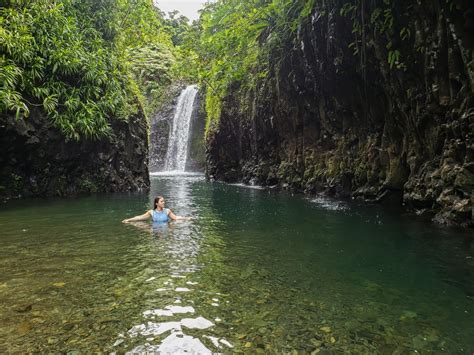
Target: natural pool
257,271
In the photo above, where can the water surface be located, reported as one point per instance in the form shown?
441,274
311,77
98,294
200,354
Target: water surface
257,271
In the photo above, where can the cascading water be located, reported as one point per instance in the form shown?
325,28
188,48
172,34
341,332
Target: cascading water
179,135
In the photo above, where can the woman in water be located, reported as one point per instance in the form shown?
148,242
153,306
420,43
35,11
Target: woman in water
158,214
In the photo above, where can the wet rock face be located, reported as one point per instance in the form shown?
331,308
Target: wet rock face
327,120
160,128
36,159
196,160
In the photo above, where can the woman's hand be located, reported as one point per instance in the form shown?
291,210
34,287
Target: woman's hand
142,217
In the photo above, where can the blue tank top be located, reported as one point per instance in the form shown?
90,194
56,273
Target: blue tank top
160,216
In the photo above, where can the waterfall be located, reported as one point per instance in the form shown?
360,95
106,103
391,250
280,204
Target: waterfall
177,152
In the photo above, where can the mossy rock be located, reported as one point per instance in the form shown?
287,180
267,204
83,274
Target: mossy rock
87,186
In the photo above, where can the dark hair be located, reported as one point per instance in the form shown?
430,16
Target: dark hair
155,203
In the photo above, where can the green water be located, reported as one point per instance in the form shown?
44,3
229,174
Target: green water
266,271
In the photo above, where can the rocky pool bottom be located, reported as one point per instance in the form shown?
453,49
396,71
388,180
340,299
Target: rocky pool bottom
257,271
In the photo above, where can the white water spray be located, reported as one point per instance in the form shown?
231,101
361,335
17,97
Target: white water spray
178,140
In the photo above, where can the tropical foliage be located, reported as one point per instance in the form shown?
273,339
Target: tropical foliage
84,63
80,61
236,37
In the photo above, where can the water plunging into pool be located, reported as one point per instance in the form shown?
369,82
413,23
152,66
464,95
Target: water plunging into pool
177,152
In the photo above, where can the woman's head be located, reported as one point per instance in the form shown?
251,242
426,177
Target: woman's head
159,202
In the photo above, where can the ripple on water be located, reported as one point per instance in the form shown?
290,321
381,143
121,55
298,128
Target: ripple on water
329,203
169,311
247,186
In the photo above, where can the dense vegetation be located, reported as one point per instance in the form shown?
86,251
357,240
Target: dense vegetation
86,62
83,62
236,39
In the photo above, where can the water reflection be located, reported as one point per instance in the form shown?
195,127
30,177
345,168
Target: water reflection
178,192
165,327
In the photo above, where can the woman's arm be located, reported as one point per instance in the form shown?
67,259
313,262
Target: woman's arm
177,218
142,217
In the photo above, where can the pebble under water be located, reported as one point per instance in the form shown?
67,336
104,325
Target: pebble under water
257,271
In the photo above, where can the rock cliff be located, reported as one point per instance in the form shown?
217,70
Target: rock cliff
348,118
37,160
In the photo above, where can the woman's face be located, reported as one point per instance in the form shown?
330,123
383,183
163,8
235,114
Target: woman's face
161,203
